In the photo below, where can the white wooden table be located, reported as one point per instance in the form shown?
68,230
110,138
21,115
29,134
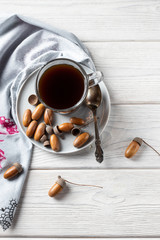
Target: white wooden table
124,39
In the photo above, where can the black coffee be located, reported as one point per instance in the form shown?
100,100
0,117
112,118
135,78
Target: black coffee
61,86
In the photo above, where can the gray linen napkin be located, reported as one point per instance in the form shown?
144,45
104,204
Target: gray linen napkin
25,45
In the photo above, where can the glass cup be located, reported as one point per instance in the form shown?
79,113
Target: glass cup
90,80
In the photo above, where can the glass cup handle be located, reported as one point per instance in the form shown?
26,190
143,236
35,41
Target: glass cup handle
95,78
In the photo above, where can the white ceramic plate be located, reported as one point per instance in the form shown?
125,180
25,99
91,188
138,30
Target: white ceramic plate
28,88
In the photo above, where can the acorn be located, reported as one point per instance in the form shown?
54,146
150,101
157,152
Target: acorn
77,121
57,187
134,146
60,183
40,131
31,128
27,117
48,116
13,171
81,140
38,111
54,142
65,127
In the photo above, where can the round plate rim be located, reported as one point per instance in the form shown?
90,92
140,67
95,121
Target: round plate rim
49,150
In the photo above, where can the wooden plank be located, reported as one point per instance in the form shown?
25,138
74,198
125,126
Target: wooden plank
129,205
126,122
90,20
77,238
131,70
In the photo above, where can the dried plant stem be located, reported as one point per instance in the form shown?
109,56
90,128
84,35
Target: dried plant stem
83,185
87,122
151,147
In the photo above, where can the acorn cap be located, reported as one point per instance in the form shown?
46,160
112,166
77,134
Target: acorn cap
60,181
33,99
18,166
56,130
75,131
138,140
49,129
43,138
46,143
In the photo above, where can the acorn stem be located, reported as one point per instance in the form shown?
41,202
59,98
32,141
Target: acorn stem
88,122
151,147
83,185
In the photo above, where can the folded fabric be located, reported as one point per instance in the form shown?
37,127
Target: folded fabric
25,45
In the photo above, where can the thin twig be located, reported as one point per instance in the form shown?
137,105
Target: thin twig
151,147
87,122
83,185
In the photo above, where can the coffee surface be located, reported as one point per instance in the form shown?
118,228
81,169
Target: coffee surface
61,86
